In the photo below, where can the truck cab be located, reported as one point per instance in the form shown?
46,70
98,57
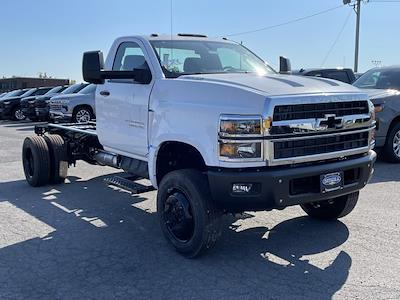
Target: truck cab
217,130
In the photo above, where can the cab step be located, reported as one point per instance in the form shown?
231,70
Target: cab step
128,183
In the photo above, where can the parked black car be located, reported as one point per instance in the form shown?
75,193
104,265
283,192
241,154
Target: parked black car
10,107
31,105
344,75
10,98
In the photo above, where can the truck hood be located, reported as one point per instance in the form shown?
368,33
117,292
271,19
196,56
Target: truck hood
271,85
68,96
18,98
29,98
380,93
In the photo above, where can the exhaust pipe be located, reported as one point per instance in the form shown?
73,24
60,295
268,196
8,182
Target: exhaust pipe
107,159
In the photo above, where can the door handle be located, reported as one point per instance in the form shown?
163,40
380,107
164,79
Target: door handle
105,93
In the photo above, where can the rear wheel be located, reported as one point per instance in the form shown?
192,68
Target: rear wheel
331,209
58,158
391,150
17,114
36,161
82,114
188,217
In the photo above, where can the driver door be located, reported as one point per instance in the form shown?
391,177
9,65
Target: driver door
122,105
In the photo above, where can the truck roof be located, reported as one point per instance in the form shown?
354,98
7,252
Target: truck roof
179,37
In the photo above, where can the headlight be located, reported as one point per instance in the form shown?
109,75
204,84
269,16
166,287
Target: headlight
234,126
238,138
249,151
7,102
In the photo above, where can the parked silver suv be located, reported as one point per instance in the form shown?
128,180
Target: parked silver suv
77,108
383,88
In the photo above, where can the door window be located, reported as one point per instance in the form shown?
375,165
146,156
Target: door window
129,56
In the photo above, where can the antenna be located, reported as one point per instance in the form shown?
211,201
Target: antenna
171,17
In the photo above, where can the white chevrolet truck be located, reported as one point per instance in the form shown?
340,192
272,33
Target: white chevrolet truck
216,130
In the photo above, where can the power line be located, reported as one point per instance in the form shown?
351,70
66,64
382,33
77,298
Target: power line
384,1
337,38
285,23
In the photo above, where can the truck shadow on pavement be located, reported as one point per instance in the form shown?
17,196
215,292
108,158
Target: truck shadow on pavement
104,243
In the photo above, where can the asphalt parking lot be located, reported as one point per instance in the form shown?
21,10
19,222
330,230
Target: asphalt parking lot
84,239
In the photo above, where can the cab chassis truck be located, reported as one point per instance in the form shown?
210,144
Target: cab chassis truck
216,130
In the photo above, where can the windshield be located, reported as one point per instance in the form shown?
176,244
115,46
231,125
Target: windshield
54,90
74,88
379,79
204,57
90,89
28,92
15,93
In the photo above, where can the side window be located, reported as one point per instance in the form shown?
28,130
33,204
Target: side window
316,74
337,75
389,80
129,56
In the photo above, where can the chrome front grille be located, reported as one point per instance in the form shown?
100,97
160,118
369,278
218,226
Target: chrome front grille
319,110
55,106
306,132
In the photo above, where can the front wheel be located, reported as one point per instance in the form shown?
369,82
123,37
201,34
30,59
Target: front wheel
391,150
17,114
189,219
82,115
331,209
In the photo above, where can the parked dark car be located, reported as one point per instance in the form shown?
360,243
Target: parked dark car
8,100
344,75
11,106
383,87
31,105
3,94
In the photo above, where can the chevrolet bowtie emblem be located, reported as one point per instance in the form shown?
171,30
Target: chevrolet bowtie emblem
331,122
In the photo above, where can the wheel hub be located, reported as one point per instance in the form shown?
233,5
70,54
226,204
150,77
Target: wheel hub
83,116
396,144
178,216
19,115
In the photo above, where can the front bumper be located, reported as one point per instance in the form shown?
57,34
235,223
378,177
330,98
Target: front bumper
60,117
29,112
42,112
5,112
279,187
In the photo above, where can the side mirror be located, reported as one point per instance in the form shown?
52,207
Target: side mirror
284,65
93,65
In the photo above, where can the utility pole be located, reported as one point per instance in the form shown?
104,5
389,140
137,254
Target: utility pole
357,9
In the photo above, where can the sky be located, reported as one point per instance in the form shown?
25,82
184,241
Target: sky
51,35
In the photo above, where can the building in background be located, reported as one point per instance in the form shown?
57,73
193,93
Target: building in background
14,83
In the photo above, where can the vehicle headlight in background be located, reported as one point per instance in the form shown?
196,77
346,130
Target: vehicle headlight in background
378,107
235,126
237,150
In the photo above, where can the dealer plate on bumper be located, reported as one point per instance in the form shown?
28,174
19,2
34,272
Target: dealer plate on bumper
331,182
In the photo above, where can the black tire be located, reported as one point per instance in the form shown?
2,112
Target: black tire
58,158
82,109
389,152
17,114
193,238
36,161
331,209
